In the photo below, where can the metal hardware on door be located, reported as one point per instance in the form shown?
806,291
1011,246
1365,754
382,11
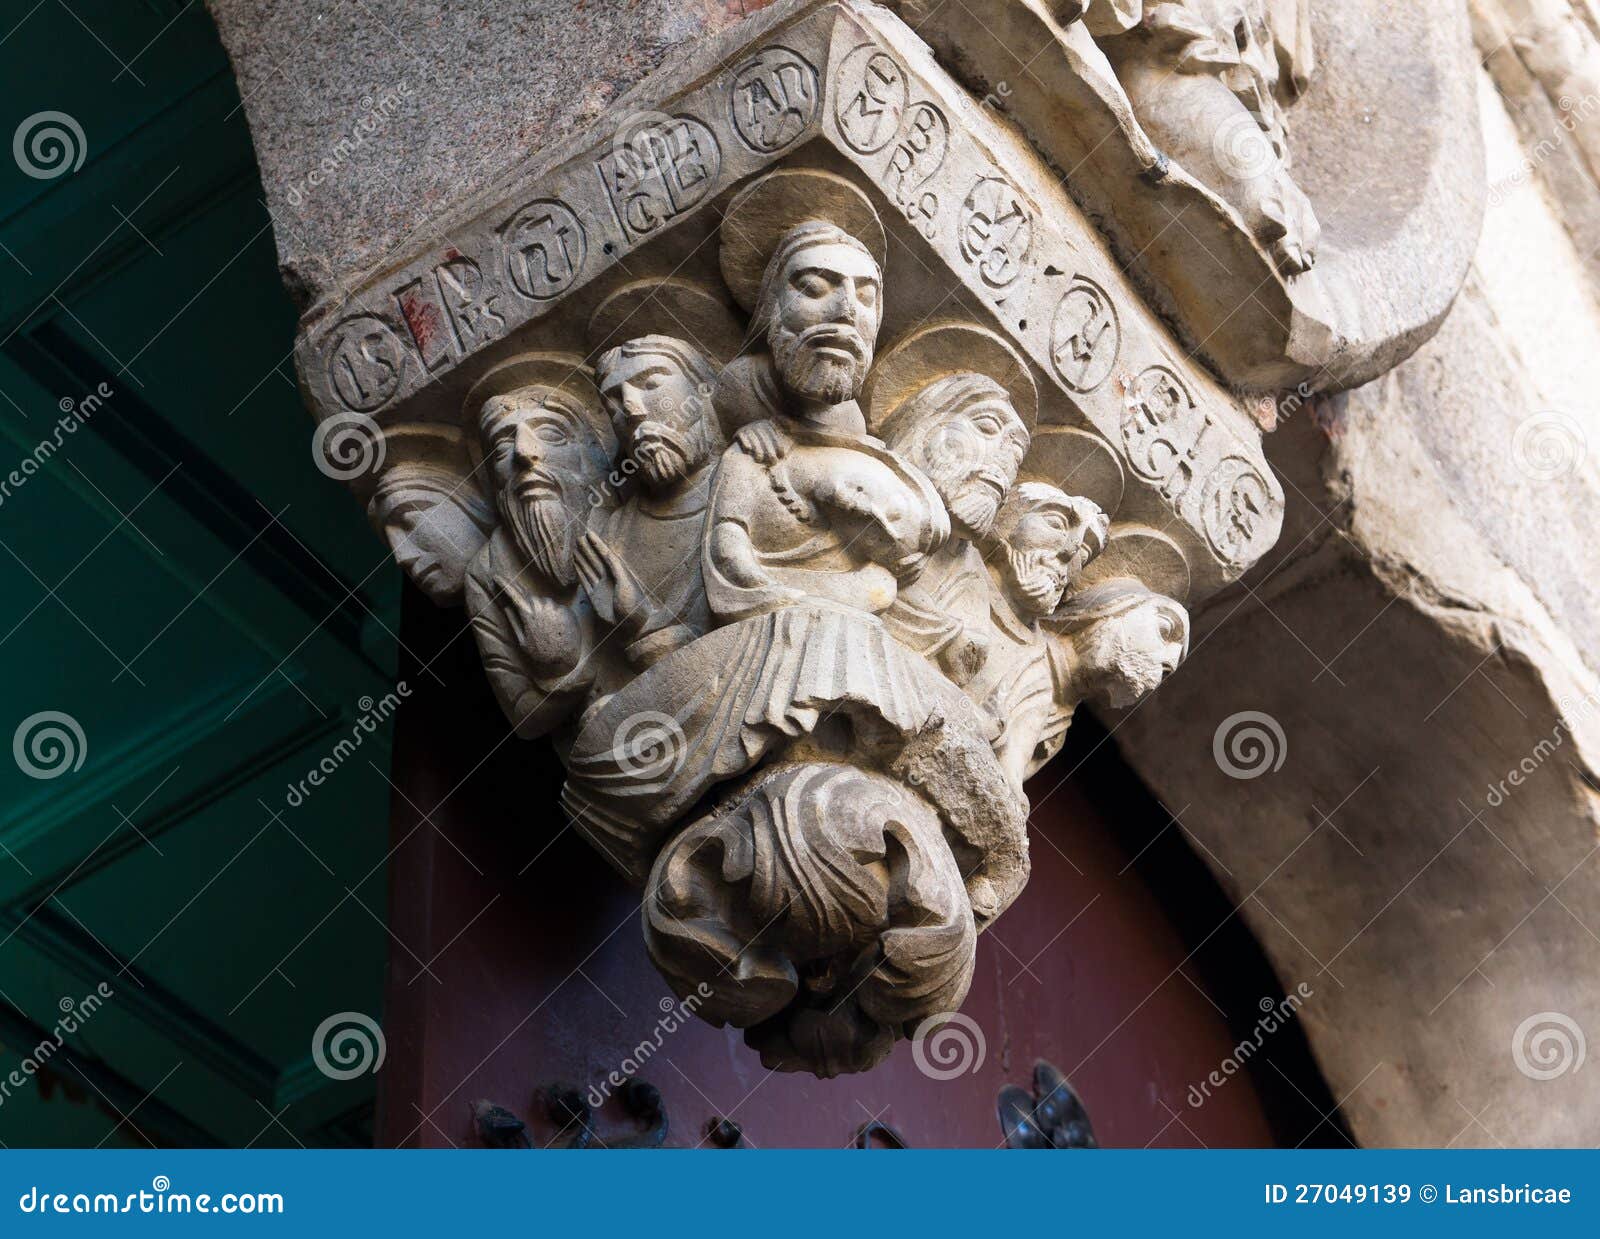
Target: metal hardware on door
1054,1117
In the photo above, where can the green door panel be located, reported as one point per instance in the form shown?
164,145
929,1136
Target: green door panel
207,609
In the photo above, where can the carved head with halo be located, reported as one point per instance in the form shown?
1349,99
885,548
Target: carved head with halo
1044,537
657,391
544,443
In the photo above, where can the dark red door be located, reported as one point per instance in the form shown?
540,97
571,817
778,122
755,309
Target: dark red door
516,964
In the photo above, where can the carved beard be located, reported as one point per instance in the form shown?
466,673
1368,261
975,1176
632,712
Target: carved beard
544,530
664,455
1035,584
819,376
1122,673
971,501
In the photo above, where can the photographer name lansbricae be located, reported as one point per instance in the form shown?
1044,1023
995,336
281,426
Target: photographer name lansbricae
1505,1194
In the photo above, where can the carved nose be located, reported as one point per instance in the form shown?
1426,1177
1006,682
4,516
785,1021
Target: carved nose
526,447
842,303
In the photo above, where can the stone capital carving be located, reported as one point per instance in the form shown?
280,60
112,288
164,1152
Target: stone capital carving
802,459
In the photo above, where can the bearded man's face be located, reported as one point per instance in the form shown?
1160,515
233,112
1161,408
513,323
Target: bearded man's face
825,322
544,458
1046,546
1129,655
660,416
971,455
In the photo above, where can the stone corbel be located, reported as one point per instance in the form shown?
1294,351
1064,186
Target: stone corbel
802,459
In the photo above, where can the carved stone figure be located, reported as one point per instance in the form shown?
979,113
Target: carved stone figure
968,432
824,910
805,507
788,602
1042,539
1120,639
428,507
1207,80
545,444
640,563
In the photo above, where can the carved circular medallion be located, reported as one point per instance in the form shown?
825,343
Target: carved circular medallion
870,99
365,363
1239,510
995,231
1085,336
544,248
774,98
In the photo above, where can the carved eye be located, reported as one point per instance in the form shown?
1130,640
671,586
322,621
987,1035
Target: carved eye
867,294
987,424
811,284
550,432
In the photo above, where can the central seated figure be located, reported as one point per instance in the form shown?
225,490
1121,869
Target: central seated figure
807,508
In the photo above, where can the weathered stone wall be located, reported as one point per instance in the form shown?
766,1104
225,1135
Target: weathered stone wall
371,121
1427,644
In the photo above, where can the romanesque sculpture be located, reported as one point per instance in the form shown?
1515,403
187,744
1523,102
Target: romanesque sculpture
1208,80
815,464
640,562
427,505
543,445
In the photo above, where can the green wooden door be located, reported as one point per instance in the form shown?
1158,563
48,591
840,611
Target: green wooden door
207,611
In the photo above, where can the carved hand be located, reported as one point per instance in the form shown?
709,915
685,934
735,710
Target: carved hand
765,441
546,631
614,591
877,526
